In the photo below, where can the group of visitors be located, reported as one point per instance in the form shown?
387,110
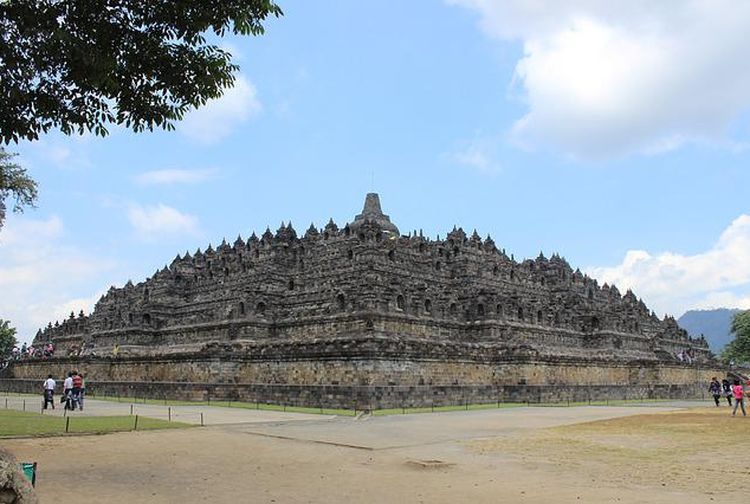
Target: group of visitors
729,391
45,351
686,355
87,348
74,390
26,352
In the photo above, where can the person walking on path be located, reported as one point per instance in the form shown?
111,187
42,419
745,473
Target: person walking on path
83,391
67,390
739,397
49,392
715,389
727,390
76,392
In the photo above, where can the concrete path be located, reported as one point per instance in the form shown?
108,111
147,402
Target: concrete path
211,415
368,432
398,431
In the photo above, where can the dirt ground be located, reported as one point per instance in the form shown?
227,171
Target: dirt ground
527,455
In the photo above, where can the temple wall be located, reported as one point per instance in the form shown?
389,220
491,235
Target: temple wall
546,339
380,383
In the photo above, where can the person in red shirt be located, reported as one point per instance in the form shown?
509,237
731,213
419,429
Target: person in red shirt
739,397
77,387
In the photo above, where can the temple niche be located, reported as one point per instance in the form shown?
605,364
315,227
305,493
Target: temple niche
368,284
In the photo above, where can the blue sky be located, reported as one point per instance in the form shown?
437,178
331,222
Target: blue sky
616,136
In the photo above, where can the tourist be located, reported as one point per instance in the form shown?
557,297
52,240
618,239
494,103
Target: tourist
739,397
67,389
83,391
49,392
715,389
727,388
76,392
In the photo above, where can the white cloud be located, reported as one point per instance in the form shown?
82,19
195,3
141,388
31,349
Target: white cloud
41,278
218,118
158,221
605,78
62,310
174,176
59,151
672,283
477,154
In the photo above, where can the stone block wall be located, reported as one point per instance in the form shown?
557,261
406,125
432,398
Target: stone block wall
372,397
371,381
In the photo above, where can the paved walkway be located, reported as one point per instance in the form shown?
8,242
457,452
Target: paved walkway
211,415
398,431
368,432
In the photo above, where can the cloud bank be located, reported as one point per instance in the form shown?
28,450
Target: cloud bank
670,282
607,78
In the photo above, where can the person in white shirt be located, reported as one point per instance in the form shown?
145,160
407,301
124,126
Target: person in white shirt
67,391
49,392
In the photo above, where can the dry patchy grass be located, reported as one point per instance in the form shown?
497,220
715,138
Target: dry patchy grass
702,449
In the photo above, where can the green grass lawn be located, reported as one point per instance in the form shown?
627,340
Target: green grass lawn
18,423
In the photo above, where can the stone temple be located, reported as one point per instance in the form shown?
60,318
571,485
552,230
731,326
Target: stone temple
364,314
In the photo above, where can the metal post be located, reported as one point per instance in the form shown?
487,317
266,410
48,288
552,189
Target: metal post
169,413
24,404
67,424
202,419
131,410
135,425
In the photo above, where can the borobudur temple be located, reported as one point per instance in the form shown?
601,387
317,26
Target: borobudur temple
364,315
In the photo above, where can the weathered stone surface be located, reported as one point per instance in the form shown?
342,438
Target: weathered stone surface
363,282
363,306
14,487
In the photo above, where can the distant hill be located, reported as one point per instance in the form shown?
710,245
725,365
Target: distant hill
713,324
